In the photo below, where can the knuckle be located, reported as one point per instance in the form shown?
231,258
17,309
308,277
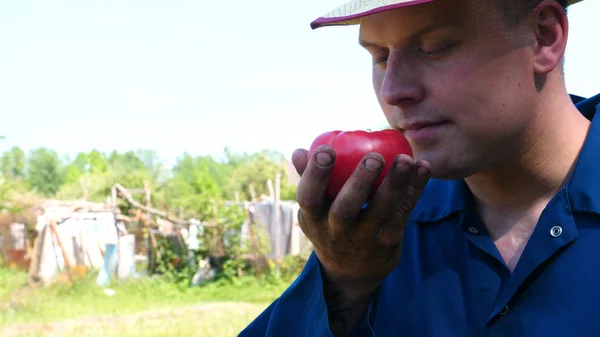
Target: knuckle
380,220
404,207
305,227
308,205
412,193
340,215
306,223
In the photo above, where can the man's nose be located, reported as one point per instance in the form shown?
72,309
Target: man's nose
401,84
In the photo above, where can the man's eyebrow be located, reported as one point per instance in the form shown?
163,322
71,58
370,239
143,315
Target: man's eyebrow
426,29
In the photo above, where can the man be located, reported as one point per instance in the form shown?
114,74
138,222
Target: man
494,228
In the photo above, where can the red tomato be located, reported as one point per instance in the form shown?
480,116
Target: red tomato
351,146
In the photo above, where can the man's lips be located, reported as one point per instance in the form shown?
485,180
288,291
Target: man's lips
418,125
420,131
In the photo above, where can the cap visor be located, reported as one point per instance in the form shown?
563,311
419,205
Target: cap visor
350,15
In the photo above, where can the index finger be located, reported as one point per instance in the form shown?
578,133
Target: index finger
395,199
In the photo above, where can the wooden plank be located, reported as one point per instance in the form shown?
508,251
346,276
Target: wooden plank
277,207
271,189
66,257
34,266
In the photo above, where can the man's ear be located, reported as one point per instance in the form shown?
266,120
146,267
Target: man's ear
551,28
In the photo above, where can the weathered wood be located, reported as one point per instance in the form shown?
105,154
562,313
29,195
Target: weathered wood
84,188
53,227
271,189
148,203
124,218
114,203
295,232
77,251
125,193
277,223
77,205
147,223
35,265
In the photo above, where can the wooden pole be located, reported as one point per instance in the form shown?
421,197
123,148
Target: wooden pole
148,219
295,232
35,265
252,192
277,219
84,188
218,232
271,190
125,193
148,203
114,199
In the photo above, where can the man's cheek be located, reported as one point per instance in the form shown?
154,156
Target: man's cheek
377,81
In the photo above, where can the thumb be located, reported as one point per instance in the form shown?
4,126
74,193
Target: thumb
300,160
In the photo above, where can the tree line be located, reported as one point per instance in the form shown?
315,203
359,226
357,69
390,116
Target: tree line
191,186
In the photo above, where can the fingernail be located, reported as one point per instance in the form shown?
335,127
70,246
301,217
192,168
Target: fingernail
323,159
422,171
372,165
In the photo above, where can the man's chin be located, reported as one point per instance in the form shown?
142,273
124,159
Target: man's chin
441,167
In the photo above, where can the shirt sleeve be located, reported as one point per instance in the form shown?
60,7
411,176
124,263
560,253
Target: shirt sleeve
301,310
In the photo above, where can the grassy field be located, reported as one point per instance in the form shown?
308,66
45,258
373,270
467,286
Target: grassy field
144,307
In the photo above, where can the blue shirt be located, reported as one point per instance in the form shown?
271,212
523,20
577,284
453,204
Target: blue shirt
452,281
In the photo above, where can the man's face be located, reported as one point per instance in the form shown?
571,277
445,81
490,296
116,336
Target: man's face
456,81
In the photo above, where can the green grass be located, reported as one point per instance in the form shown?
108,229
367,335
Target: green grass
223,320
142,307
10,280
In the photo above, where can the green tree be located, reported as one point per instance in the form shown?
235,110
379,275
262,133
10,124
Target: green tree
12,163
195,184
4,190
93,175
153,164
127,160
187,166
45,171
256,169
85,164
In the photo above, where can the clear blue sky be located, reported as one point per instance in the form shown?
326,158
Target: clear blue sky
198,75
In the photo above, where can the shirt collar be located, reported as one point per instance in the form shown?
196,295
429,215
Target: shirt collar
443,198
583,189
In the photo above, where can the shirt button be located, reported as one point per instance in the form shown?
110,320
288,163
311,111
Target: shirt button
556,231
473,230
504,310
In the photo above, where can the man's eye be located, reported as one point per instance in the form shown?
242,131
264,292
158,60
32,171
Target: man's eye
435,50
380,60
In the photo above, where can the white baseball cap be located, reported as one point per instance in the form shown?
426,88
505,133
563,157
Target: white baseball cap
351,12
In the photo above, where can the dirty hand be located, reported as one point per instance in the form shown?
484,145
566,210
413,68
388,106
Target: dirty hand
357,247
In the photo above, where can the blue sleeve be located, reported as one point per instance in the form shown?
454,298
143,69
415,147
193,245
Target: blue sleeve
301,310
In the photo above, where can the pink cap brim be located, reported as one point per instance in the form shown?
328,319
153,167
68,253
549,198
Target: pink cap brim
353,19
